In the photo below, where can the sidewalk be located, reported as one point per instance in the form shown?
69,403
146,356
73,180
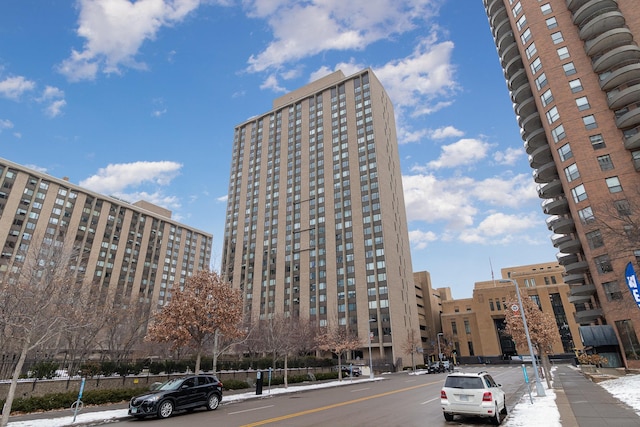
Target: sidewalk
583,403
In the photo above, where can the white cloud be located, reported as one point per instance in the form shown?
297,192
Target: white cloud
446,132
157,198
500,228
508,156
421,239
271,82
15,87
511,191
463,152
114,31
116,177
37,168
343,25
54,98
5,124
55,108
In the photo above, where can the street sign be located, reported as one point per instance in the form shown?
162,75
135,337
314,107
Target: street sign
515,308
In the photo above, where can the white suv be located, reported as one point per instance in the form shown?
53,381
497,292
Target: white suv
475,395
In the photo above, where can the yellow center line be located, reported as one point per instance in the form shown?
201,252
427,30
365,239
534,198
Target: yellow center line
335,405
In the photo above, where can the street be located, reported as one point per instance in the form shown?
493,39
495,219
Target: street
399,400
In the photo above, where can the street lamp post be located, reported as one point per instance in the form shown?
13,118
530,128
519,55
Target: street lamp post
539,388
370,357
439,348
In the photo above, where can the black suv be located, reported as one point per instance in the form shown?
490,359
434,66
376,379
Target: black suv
176,394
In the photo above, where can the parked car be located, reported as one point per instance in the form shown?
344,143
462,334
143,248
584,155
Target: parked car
436,367
182,393
473,394
350,370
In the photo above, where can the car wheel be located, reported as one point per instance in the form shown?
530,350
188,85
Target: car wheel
497,417
213,402
448,417
165,409
504,410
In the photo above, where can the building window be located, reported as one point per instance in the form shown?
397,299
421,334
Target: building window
454,328
597,142
553,115
575,85
467,327
536,65
629,339
563,53
557,37
541,81
536,299
558,133
583,103
521,22
565,152
622,207
612,290
546,9
605,162
470,344
571,172
614,184
590,122
551,23
586,215
569,69
491,306
531,50
546,97
603,264
516,9
526,36
595,239
579,193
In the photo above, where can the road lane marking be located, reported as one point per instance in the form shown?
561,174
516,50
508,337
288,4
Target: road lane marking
360,389
429,401
335,405
251,410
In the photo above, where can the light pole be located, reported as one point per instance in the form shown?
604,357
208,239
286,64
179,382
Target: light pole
539,388
439,348
370,357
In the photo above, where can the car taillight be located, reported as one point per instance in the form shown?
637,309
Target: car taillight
486,397
443,394
220,384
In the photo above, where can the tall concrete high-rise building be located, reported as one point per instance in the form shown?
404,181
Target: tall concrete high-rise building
129,254
573,72
316,225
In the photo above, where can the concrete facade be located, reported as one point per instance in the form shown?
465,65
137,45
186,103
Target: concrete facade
316,224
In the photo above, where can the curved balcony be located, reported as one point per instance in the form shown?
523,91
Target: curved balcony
551,189
526,107
511,51
518,79
632,142
540,156
607,41
619,55
574,5
602,23
521,94
545,173
558,206
627,96
492,5
513,66
565,259
531,123
621,75
572,279
501,28
534,140
561,225
570,246
586,317
629,119
497,16
580,299
582,290
504,41
592,9
578,267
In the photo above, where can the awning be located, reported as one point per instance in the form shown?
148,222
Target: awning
598,335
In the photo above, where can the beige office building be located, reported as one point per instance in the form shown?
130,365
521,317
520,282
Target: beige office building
129,253
572,69
316,225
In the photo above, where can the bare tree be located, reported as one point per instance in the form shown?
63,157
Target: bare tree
35,302
543,330
125,327
191,319
337,340
412,346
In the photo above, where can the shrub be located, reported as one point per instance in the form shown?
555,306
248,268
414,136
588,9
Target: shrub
320,376
235,384
44,369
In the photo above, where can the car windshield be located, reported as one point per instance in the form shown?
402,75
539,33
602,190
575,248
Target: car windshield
463,382
170,385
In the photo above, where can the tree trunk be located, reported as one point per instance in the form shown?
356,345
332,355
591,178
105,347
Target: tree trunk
547,369
339,367
6,409
215,352
286,370
198,357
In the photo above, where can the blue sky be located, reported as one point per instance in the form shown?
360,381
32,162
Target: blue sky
139,100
